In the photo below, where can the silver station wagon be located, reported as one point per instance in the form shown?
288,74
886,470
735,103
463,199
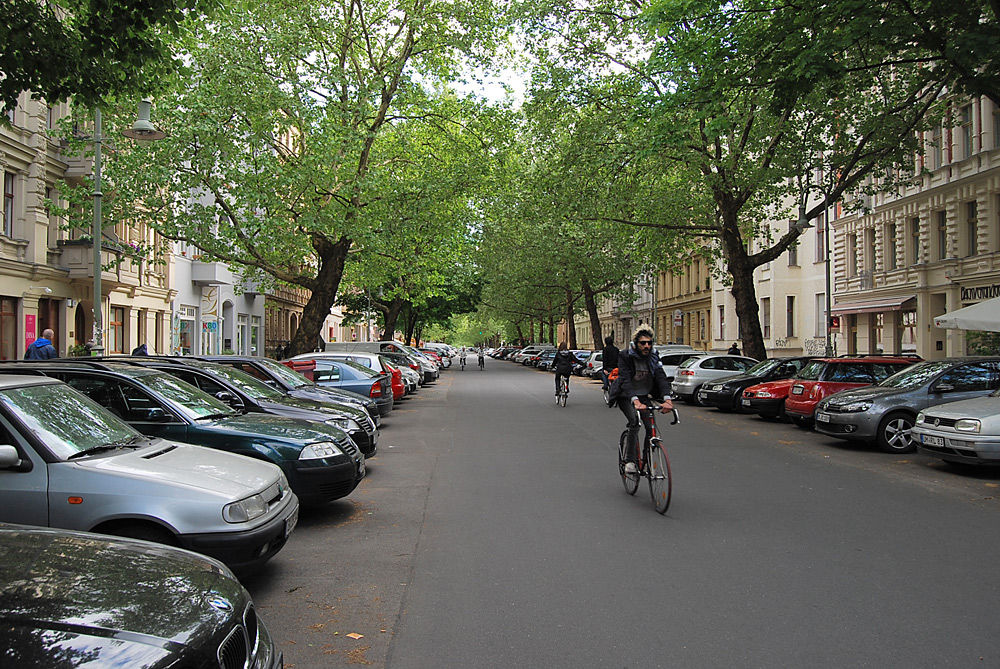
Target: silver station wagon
67,462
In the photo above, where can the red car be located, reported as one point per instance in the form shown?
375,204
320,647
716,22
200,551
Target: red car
767,399
398,389
826,376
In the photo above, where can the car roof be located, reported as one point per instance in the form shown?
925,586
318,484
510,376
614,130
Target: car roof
21,380
84,365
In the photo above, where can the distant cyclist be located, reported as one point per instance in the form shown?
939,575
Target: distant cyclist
641,376
461,358
563,365
482,358
609,359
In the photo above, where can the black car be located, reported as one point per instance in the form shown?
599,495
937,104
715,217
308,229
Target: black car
727,393
247,393
285,379
75,599
319,460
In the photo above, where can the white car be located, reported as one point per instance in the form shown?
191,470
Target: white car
695,371
967,432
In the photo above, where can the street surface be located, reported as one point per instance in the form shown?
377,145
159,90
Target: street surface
493,531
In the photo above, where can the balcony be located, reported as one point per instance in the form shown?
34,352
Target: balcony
211,273
119,262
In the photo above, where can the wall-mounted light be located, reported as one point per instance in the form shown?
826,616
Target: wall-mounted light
39,290
70,302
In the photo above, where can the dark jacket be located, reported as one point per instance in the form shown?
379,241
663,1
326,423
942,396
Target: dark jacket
41,349
609,357
563,362
627,361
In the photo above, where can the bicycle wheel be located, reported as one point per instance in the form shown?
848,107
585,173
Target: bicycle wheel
660,487
630,481
563,392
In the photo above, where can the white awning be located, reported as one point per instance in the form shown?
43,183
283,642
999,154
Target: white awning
983,316
875,306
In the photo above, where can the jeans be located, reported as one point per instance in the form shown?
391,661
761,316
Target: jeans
632,416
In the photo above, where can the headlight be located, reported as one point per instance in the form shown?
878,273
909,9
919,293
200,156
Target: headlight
920,417
323,449
763,393
861,405
245,509
345,424
968,425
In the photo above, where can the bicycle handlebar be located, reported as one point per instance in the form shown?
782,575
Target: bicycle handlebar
653,406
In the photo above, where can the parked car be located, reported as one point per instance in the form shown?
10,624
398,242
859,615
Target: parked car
437,356
247,393
67,462
673,359
528,351
825,376
582,356
886,411
727,393
347,375
545,359
767,399
696,370
966,432
412,371
320,460
73,599
593,365
374,361
286,379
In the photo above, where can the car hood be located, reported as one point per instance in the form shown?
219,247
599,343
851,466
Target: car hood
742,379
321,394
281,427
866,393
303,408
980,407
73,599
225,474
774,385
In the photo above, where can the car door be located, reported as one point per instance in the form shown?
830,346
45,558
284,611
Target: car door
24,488
964,382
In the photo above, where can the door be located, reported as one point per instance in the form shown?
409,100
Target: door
23,494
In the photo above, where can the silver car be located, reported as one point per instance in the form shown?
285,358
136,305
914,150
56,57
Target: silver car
695,371
967,432
67,462
887,410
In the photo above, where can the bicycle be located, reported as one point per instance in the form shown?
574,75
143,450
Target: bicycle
482,363
462,361
653,461
563,391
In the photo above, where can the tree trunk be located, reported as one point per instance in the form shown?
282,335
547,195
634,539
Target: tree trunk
744,291
570,325
391,316
520,333
324,294
590,301
531,330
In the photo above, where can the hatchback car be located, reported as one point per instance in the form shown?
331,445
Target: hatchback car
67,462
374,361
331,373
695,371
887,410
966,432
727,393
73,599
671,360
825,376
320,460
545,359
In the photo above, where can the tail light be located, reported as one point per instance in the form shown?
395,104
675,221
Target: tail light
376,390
687,372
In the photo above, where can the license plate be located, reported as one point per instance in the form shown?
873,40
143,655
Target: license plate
797,390
746,402
291,522
822,417
931,441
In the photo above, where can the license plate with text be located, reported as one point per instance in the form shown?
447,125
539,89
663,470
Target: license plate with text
932,441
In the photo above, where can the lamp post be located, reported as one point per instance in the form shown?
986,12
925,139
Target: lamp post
141,130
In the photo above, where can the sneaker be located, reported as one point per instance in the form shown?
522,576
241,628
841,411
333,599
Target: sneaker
630,468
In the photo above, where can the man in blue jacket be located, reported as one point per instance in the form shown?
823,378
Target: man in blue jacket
641,376
42,348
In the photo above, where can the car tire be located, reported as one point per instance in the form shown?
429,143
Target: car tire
894,433
802,422
146,532
694,398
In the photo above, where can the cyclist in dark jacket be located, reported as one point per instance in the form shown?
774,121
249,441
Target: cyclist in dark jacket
563,364
609,359
641,376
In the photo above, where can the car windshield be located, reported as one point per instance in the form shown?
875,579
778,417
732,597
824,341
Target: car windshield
193,402
811,371
916,375
65,420
250,385
287,375
762,368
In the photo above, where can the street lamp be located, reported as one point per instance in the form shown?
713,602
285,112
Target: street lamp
141,130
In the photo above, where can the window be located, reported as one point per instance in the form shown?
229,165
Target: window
765,316
913,249
972,227
790,316
870,249
8,204
877,345
820,330
255,337
793,249
980,377
942,235
852,255
722,323
890,249
116,330
937,149
906,328
8,329
185,330
965,130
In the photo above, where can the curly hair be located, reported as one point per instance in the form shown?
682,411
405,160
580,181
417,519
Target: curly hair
643,329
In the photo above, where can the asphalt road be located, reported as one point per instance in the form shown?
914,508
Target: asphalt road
493,531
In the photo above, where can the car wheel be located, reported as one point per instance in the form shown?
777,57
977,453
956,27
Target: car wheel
145,532
694,398
894,433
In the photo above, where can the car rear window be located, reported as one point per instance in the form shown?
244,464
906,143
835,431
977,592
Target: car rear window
850,372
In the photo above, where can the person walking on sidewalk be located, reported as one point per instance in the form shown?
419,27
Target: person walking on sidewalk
42,348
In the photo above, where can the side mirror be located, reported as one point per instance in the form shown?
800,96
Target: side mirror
10,459
229,398
154,415
944,388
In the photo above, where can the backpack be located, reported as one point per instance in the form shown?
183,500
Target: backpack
614,388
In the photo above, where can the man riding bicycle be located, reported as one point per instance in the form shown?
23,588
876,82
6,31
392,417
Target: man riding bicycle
563,365
461,357
641,376
609,359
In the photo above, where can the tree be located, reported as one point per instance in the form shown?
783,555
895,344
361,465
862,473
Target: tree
290,142
88,51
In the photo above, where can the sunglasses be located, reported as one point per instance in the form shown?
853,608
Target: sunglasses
648,342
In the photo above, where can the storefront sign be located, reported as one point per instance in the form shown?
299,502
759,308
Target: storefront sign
30,330
980,293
